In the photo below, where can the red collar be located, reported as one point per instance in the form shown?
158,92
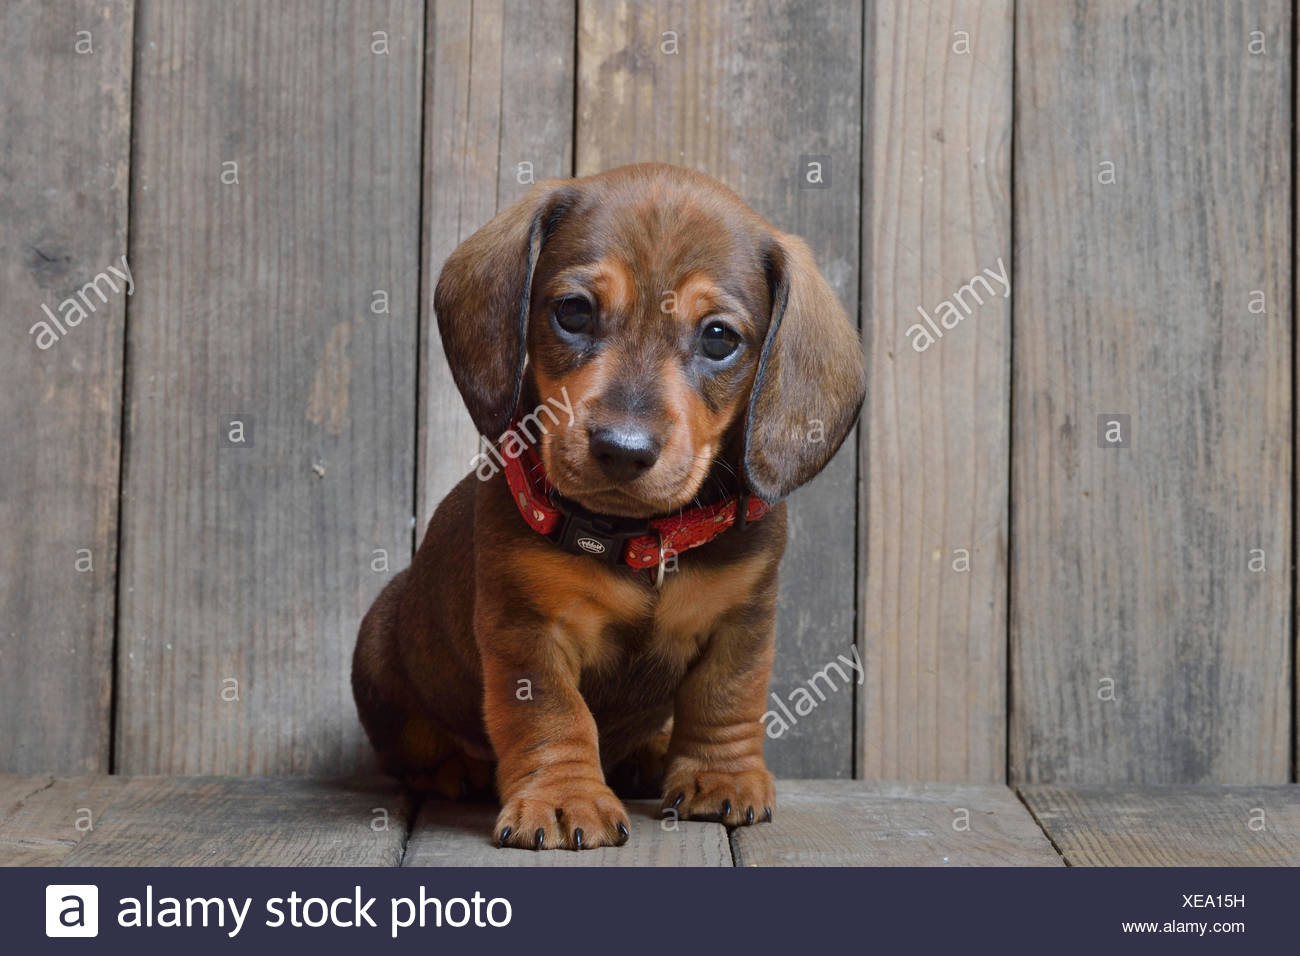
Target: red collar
638,544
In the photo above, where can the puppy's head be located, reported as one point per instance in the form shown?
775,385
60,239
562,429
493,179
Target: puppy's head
666,333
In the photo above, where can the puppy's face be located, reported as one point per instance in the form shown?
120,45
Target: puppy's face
646,321
670,333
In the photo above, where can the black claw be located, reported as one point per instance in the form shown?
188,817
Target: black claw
577,838
540,837
749,815
622,832
678,802
505,835
726,809
767,814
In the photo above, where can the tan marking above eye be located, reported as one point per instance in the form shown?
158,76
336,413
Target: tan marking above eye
696,297
615,286
609,280
699,296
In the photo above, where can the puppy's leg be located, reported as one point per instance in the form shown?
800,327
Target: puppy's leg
409,745
553,793
431,762
715,759
378,683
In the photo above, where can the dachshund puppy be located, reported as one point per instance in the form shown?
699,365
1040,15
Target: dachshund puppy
657,368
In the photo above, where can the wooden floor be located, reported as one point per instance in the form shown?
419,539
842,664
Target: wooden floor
299,821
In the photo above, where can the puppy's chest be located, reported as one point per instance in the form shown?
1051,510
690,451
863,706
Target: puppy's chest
610,621
666,628
635,657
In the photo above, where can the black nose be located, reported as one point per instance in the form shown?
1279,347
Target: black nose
624,452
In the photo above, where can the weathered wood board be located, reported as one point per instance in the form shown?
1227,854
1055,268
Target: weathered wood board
1170,826
65,121
934,454
854,823
266,821
48,820
751,92
498,116
248,821
1150,581
460,834
275,230
16,788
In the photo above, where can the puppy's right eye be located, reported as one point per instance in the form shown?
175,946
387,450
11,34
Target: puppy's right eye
573,314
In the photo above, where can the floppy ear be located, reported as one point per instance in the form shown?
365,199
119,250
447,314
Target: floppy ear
812,370
482,304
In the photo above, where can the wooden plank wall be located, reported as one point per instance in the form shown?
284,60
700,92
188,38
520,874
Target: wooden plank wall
934,527
248,567
993,566
1151,587
498,116
64,155
742,90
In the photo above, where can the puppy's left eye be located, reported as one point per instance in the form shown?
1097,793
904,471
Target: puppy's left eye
573,314
718,341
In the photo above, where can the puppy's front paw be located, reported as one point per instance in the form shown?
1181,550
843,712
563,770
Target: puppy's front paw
572,816
736,798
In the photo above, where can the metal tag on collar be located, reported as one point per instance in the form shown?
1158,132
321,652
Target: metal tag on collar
663,559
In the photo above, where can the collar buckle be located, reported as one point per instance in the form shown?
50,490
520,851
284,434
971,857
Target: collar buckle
604,538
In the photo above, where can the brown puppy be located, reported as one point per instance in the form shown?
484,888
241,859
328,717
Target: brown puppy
657,360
